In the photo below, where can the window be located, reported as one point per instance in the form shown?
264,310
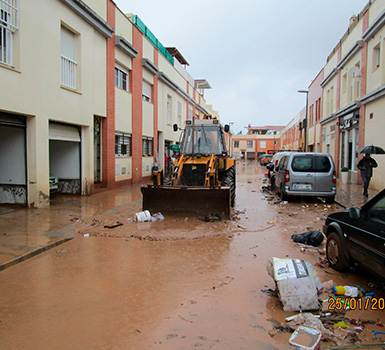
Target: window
311,164
147,143
121,77
190,114
123,144
249,144
169,108
357,84
147,92
344,83
179,113
262,144
8,25
68,58
236,144
376,57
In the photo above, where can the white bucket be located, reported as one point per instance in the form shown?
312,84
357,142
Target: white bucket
143,216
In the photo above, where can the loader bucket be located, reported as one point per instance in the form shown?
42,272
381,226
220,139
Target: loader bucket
196,201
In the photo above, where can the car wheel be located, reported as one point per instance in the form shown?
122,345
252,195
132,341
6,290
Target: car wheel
282,194
335,253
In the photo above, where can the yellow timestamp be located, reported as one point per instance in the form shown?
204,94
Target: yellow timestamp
356,304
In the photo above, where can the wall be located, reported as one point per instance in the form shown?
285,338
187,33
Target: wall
374,134
36,78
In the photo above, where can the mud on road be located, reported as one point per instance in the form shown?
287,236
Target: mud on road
179,283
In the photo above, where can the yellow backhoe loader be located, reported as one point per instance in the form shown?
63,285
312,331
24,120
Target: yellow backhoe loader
203,176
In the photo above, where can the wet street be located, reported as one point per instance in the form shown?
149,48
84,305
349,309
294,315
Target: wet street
180,283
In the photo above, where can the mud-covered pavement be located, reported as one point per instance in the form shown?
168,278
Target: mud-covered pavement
179,283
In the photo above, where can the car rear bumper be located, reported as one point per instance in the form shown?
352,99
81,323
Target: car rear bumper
310,193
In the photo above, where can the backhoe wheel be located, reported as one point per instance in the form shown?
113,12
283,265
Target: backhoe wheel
230,182
335,253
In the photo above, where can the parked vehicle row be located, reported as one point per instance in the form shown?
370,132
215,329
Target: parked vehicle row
265,159
307,174
357,235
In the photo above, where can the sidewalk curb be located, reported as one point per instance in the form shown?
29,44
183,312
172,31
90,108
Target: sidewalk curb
33,253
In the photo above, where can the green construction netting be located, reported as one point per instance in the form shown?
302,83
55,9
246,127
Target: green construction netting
150,36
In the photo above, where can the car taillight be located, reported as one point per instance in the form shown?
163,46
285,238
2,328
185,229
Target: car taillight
334,177
287,177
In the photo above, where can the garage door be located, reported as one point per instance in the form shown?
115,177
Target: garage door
62,132
13,184
64,156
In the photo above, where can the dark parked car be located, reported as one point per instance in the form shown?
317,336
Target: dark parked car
357,235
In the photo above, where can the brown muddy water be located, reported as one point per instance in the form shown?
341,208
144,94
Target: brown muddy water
179,283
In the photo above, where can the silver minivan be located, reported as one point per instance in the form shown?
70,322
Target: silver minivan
306,174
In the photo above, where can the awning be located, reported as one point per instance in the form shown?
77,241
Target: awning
62,132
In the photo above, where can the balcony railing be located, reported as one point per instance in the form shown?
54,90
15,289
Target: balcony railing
68,72
9,14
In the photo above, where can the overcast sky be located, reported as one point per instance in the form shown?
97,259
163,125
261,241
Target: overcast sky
255,54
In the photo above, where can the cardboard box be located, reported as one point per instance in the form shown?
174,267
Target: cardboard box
297,284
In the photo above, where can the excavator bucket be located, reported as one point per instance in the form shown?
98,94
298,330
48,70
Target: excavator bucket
196,201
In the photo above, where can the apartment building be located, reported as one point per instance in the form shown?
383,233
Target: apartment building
292,135
258,140
352,92
90,98
346,99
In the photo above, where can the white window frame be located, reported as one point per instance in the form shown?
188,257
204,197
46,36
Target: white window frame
376,57
236,144
9,23
147,146
125,140
69,64
357,85
250,144
146,91
262,144
169,109
179,113
122,77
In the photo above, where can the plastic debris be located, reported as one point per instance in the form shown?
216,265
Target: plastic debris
305,338
309,320
86,235
314,238
340,324
327,285
346,290
157,216
375,334
142,216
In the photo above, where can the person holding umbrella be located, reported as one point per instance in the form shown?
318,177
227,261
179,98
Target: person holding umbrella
367,164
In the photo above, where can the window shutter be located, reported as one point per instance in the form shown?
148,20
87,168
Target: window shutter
68,44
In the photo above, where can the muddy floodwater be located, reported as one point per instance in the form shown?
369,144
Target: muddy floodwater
178,283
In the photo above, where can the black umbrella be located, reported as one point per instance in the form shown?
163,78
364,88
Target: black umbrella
371,150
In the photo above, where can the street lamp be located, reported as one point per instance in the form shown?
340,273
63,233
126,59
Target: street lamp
305,123
230,125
